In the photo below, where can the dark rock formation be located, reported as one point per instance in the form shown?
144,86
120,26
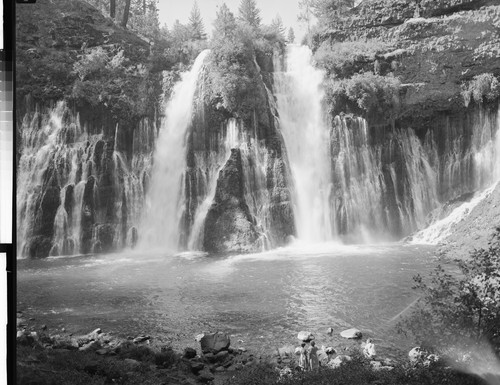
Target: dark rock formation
214,343
229,227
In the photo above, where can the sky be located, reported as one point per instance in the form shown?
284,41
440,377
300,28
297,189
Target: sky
170,10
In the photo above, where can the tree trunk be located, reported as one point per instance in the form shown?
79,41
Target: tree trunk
125,13
112,8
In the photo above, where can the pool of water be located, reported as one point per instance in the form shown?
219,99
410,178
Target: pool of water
262,300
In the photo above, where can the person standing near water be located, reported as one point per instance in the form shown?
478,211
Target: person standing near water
303,361
313,356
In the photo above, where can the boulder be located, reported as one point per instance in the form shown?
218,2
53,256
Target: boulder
91,346
222,355
189,353
205,375
131,362
214,342
196,366
139,339
305,336
351,334
416,354
337,361
430,359
329,350
323,357
285,351
24,338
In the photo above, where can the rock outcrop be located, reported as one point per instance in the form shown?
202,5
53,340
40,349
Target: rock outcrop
229,226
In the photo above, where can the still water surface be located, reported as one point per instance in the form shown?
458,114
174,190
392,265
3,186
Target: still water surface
262,300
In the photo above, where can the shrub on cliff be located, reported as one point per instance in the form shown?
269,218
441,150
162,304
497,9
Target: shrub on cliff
461,308
109,78
482,88
365,94
345,59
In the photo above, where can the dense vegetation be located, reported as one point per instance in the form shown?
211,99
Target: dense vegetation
358,371
460,309
237,43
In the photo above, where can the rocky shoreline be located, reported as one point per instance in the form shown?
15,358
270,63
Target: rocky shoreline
215,361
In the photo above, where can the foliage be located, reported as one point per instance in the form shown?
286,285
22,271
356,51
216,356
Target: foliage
196,27
142,15
110,79
344,59
278,27
365,93
41,366
358,371
329,10
249,13
462,307
483,87
225,22
233,75
291,35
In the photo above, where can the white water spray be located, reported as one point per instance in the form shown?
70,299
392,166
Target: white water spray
163,212
303,124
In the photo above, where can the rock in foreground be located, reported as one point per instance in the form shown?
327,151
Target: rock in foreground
351,334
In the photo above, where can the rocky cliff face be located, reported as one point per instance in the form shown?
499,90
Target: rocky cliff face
229,226
435,49
259,172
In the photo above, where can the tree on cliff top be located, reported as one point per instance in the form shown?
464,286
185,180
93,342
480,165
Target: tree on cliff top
291,35
225,22
196,26
278,27
249,13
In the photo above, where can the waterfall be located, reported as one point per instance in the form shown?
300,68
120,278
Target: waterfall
164,201
475,169
304,127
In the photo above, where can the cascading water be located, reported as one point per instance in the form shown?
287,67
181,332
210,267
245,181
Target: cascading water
478,170
164,200
303,124
75,191
361,183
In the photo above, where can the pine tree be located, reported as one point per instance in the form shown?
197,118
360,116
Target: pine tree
306,14
225,22
277,26
291,35
196,26
249,13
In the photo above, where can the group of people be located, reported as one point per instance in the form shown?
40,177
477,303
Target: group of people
308,358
